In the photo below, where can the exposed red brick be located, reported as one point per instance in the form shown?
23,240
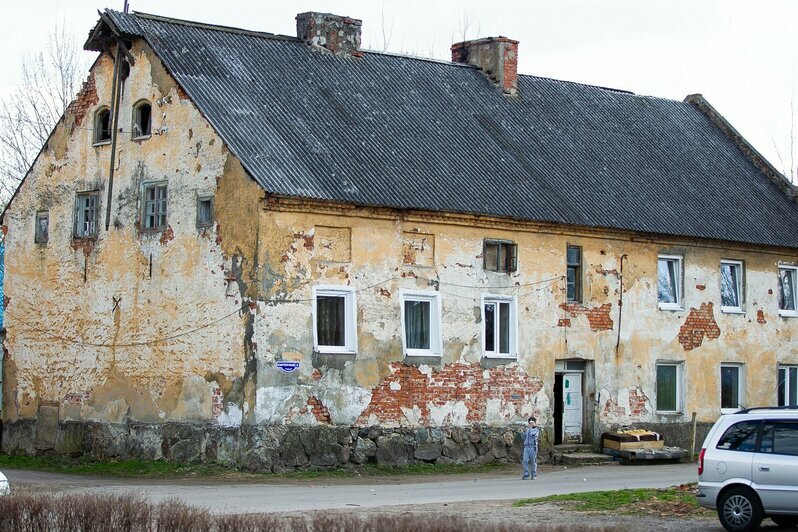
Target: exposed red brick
167,236
637,404
316,375
598,317
760,317
699,323
320,412
85,100
701,287
458,382
307,240
563,322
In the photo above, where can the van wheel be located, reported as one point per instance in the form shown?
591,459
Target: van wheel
785,521
739,510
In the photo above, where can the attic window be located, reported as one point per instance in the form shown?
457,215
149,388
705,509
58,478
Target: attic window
500,256
102,126
42,232
142,120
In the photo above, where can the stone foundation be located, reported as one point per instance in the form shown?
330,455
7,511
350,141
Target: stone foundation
274,448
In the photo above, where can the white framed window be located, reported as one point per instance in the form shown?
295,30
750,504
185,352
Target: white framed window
787,290
669,282
732,384
669,387
421,323
500,326
334,319
788,386
731,286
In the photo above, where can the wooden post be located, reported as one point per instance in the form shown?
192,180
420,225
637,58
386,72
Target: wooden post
692,441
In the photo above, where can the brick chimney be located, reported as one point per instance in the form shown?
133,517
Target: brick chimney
340,35
497,57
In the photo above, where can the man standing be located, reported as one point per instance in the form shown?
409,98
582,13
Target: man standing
529,459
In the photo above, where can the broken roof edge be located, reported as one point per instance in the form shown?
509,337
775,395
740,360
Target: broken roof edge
741,143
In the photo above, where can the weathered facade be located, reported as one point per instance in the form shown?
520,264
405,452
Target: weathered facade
294,328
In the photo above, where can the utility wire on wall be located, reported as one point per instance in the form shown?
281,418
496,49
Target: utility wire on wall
174,335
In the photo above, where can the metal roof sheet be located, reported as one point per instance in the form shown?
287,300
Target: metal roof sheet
408,133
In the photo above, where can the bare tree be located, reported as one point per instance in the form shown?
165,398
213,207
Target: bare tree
787,159
49,82
465,24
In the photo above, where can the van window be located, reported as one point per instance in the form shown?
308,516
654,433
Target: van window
780,438
740,437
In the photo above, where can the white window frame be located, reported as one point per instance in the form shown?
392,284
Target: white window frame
740,287
435,336
788,384
740,386
350,317
679,282
794,270
493,298
679,386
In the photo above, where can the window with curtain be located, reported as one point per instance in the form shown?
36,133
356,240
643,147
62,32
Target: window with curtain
787,277
731,286
668,387
669,282
420,317
334,315
499,326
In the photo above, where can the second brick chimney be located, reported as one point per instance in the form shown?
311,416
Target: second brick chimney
340,35
497,57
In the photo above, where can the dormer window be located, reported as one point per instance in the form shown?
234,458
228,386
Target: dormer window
102,126
142,120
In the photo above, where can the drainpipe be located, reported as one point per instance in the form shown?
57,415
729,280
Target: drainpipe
116,89
620,307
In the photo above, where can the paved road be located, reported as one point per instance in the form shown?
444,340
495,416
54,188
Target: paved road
330,494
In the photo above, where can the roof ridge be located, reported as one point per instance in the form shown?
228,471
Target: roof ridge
207,26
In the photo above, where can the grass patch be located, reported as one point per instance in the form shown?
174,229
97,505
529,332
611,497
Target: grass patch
165,469
677,500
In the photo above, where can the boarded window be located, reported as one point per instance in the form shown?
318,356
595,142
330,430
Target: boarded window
155,206
86,210
42,231
500,256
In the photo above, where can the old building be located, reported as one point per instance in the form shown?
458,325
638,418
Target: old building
279,251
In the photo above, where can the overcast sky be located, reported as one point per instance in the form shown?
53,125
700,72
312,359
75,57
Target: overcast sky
742,56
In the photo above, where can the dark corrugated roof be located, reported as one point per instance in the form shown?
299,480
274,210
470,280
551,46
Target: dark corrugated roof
402,132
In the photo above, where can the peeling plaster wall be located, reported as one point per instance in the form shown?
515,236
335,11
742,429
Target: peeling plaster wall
235,299
447,257
62,295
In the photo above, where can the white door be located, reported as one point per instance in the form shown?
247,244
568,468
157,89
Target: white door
572,408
